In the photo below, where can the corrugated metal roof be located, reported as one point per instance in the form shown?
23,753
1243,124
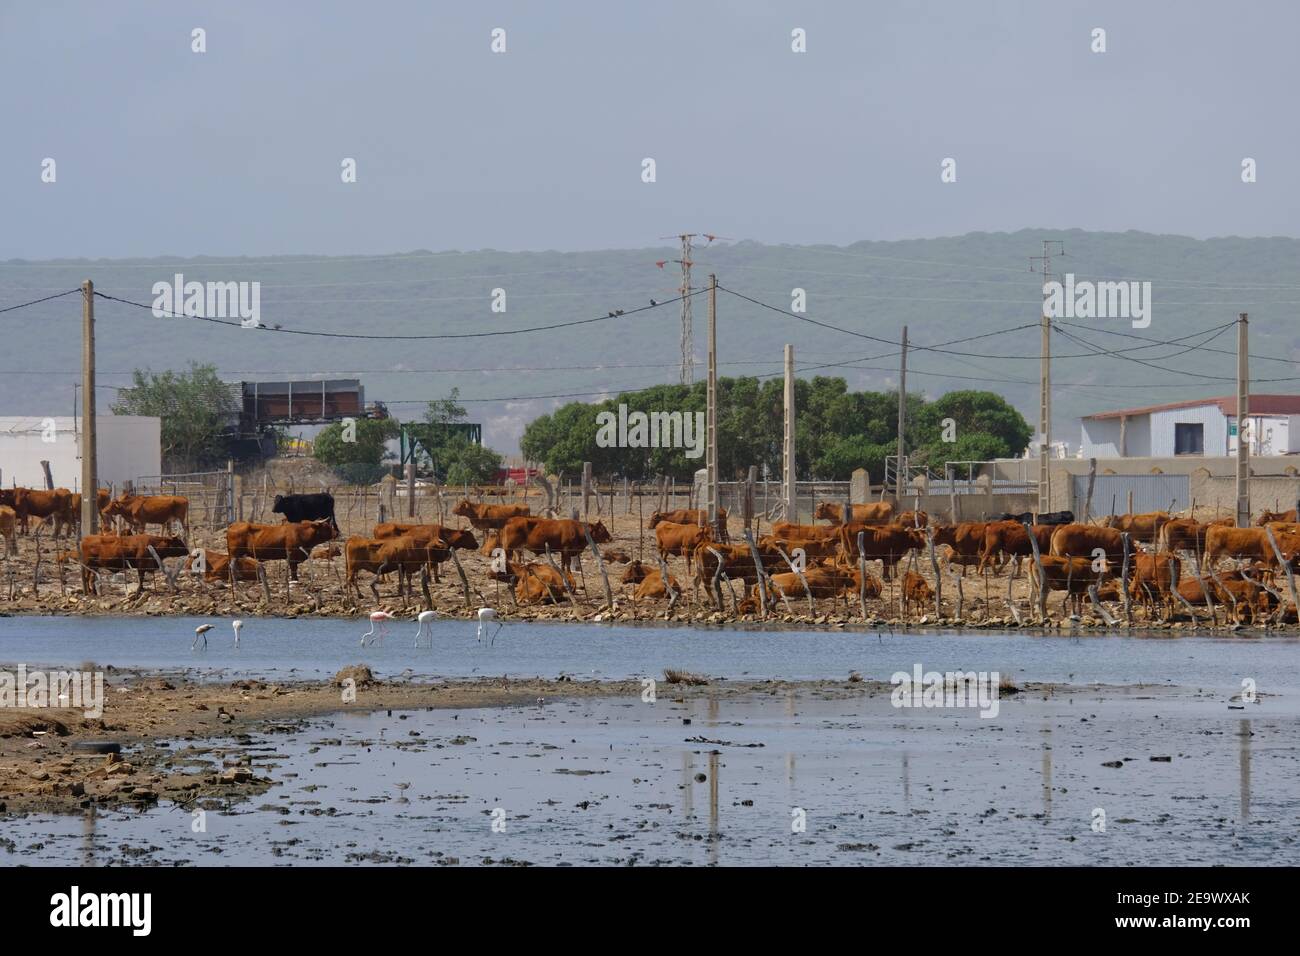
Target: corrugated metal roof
1227,404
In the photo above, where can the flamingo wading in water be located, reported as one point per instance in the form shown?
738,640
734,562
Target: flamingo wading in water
377,619
201,631
486,614
237,625
426,619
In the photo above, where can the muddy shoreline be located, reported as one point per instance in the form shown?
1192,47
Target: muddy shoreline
182,740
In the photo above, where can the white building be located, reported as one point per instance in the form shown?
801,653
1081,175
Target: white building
1205,427
129,447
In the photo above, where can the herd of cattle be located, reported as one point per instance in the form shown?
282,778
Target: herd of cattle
793,562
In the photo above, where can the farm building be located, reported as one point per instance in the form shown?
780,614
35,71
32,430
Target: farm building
129,446
1201,427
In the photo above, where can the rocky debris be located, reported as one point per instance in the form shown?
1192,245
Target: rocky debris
360,674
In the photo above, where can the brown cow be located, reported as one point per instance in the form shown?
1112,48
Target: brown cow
291,541
460,538
888,544
653,587
29,503
139,511
737,563
215,566
1073,575
1250,543
489,517
8,521
1004,540
813,548
1187,534
103,498
877,512
129,552
430,535
966,539
1154,578
693,516
379,556
1081,540
680,539
1142,527
913,519
916,590
1268,517
807,532
564,537
536,583
616,556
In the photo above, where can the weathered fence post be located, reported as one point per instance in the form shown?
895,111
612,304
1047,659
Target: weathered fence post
600,563
1128,604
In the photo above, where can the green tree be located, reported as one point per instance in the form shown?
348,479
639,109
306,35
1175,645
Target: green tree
360,461
837,430
462,462
982,426
197,411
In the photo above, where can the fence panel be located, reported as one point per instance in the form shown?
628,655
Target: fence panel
1150,493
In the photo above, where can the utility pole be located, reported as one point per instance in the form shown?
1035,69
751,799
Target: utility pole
711,416
788,487
1243,410
89,464
1045,383
688,334
900,468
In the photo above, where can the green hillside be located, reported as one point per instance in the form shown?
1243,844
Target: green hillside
942,289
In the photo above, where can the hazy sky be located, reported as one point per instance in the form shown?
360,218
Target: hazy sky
237,151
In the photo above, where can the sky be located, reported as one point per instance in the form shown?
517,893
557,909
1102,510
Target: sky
237,151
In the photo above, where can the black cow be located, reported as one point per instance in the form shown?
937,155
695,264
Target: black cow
306,508
1056,517
1047,517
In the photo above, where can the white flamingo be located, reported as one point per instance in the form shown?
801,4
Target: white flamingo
488,614
237,625
426,619
201,631
377,619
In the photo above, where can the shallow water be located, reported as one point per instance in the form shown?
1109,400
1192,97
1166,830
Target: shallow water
614,781
280,648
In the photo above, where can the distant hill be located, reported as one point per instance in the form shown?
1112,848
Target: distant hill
942,289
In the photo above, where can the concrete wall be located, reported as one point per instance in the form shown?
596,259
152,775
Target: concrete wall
128,446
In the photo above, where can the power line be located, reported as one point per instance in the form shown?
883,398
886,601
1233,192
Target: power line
24,305
621,313
1117,353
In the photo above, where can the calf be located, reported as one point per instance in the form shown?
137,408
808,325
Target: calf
215,566
915,591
